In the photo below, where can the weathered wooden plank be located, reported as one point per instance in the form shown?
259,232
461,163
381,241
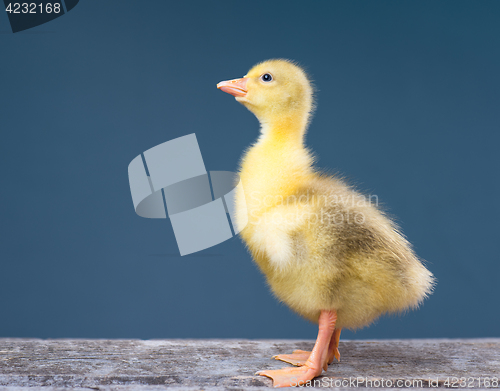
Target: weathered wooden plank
231,364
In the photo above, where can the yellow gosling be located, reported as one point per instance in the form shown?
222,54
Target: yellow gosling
325,249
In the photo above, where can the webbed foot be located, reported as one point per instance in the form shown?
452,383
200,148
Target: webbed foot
297,358
291,377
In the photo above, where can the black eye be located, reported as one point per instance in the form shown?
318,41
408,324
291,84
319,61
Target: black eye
266,77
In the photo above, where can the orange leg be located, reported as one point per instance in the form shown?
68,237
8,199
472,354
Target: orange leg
317,361
299,357
333,349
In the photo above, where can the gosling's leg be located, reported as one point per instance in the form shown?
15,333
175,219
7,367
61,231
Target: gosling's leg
317,361
299,357
333,349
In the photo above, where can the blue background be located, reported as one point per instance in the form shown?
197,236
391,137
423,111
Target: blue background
408,109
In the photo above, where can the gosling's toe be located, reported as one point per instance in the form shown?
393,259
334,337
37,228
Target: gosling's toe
297,358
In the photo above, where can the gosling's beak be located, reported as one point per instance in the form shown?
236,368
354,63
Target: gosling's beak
236,87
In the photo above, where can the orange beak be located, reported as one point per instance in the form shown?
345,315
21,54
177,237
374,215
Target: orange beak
236,87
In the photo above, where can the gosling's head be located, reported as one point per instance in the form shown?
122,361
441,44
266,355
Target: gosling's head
276,91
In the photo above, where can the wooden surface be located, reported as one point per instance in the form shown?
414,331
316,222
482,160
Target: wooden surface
231,364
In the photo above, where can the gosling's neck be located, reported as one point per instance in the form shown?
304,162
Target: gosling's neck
277,165
283,131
